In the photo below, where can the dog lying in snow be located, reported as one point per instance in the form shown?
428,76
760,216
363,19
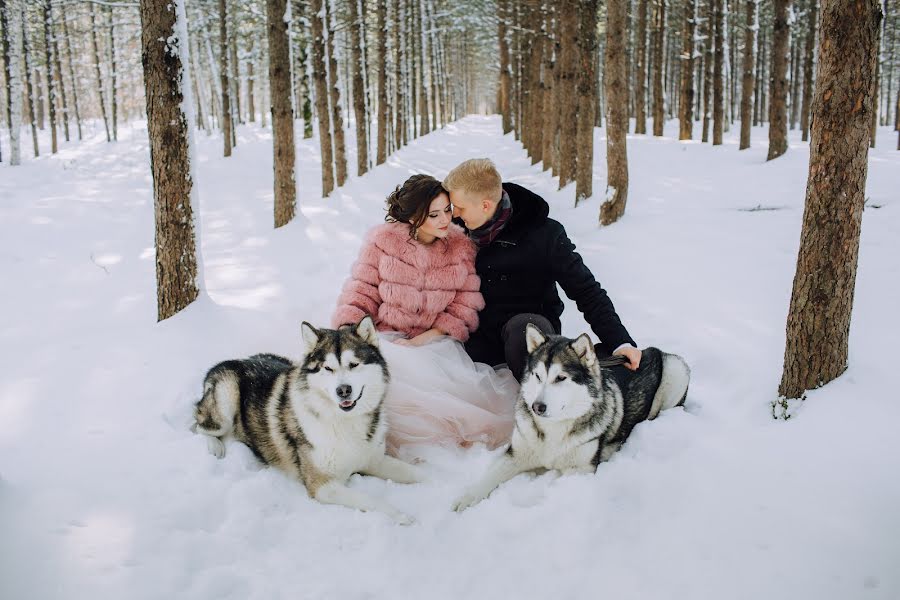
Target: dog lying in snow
571,413
319,420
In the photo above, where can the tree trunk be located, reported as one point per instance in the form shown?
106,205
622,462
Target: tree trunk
808,68
747,75
359,88
550,113
251,82
778,88
616,83
587,98
51,88
640,68
708,62
60,79
399,124
568,98
659,26
177,266
96,47
227,126
72,74
12,43
686,102
337,121
282,111
718,77
30,101
114,106
383,125
505,77
322,112
818,323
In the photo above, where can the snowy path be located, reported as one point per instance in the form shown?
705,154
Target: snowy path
104,493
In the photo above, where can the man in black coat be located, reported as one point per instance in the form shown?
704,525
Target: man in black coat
522,255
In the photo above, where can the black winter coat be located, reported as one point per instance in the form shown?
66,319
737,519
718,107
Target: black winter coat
519,271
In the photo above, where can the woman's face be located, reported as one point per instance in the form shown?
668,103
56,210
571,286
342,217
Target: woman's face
437,221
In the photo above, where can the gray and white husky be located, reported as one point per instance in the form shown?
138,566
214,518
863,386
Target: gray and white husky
571,413
320,420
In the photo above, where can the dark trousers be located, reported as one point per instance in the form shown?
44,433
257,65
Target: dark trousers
516,351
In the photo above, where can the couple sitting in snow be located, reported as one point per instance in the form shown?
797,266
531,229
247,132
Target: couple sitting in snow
453,301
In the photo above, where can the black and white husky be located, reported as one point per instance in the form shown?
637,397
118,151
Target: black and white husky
320,420
571,413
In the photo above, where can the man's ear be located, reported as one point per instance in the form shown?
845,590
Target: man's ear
533,337
584,348
366,330
310,337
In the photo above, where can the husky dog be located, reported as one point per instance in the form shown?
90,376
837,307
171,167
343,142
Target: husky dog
571,413
320,420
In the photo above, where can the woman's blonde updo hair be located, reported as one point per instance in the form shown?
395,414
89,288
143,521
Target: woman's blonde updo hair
409,203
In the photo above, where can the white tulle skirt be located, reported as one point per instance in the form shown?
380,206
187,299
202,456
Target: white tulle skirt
437,395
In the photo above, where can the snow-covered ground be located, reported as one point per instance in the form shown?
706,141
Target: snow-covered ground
104,493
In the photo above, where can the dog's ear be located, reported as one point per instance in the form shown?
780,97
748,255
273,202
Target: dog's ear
366,330
310,337
584,348
533,337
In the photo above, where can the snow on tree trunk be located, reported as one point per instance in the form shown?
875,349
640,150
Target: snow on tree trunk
282,114
818,323
164,57
70,61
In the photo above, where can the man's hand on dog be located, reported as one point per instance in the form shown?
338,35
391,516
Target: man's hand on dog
632,354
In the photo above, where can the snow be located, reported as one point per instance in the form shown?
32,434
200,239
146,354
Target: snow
105,493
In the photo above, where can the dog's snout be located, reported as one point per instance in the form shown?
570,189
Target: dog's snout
344,391
539,407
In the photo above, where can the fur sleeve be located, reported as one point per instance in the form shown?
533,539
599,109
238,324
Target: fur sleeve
460,318
359,296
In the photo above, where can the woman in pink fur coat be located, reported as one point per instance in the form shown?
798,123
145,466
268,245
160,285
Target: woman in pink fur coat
415,276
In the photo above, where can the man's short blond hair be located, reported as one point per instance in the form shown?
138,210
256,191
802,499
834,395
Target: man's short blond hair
475,176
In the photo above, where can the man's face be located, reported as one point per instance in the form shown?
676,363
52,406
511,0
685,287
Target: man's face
473,210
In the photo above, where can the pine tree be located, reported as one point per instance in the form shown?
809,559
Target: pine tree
818,323
282,112
616,84
163,56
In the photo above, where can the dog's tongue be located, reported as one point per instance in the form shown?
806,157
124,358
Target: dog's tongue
346,403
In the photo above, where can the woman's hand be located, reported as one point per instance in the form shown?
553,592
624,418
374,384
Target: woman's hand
421,339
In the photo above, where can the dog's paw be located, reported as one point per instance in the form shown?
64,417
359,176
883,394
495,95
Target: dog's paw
468,500
215,446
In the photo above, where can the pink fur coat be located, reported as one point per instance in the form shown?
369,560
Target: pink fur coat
411,287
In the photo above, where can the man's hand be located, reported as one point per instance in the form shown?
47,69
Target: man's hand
632,354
